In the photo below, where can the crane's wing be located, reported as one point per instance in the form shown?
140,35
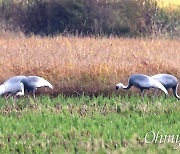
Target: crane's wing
39,82
167,80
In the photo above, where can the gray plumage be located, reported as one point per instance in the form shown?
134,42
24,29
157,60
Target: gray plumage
31,83
168,81
17,85
142,82
13,86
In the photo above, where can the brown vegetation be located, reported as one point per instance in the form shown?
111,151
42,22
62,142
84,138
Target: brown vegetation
88,65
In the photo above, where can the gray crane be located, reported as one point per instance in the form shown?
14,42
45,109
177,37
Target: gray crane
13,86
31,83
17,85
142,82
168,81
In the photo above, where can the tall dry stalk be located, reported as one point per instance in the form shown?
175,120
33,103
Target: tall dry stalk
90,65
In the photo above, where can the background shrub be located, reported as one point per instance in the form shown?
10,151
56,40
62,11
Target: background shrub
122,17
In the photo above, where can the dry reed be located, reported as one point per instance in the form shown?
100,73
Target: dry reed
88,65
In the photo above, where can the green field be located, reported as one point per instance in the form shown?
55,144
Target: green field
83,124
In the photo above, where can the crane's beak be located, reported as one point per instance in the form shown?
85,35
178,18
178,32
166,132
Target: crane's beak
117,88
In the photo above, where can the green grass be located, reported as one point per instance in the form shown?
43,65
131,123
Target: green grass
84,124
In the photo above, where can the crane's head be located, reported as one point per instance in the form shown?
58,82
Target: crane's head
119,86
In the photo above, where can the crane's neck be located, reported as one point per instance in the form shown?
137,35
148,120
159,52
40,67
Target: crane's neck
126,87
2,89
175,92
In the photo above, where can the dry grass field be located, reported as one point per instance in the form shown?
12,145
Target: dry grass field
166,3
87,65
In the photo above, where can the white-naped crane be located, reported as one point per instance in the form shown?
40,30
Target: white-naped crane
142,82
168,81
31,83
13,86
18,85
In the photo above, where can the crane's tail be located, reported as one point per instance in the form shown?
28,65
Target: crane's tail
175,89
49,85
160,86
2,89
45,83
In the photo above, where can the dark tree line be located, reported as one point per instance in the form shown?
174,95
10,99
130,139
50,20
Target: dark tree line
85,17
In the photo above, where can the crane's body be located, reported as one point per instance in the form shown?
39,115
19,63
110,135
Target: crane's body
17,85
13,86
31,83
142,82
168,81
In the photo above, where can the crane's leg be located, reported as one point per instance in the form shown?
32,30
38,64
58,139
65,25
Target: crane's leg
6,98
142,94
34,96
28,96
155,93
14,98
166,96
